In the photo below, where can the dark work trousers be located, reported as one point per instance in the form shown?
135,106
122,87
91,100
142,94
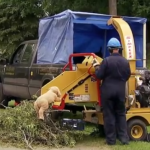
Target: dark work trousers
113,103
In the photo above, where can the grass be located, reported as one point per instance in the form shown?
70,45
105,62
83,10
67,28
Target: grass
90,141
99,142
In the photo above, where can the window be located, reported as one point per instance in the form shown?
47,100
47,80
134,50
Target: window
28,53
17,55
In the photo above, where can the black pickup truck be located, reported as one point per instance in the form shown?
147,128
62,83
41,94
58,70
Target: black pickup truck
21,77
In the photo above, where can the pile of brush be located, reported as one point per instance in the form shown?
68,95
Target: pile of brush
20,125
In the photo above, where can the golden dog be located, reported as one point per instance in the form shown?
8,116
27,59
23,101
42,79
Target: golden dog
42,103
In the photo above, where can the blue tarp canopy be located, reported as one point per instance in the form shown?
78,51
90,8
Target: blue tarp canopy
78,32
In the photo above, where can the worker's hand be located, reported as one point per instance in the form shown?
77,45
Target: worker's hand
95,62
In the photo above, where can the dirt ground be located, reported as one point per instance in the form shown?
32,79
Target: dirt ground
79,147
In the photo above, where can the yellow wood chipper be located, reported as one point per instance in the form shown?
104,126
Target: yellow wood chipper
79,85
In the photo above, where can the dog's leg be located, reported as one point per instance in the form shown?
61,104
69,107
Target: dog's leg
41,113
36,108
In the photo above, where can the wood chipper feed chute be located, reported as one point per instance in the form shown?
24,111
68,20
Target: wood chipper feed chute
79,85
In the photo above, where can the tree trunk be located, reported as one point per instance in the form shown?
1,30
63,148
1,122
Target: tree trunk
113,7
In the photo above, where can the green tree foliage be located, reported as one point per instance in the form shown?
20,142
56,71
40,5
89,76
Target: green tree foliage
19,19
140,8
56,6
18,22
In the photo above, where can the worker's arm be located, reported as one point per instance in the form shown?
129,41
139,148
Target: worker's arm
128,71
100,70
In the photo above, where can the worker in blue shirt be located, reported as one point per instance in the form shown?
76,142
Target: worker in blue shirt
114,71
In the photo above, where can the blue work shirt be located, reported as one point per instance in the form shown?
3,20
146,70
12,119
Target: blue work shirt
114,72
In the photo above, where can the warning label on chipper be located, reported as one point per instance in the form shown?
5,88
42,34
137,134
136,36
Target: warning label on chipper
129,47
82,98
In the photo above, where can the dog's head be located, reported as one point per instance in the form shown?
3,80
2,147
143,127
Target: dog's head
58,99
56,90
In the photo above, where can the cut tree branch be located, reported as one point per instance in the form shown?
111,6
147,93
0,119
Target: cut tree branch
26,140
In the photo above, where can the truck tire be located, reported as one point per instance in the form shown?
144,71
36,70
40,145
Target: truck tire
3,99
1,95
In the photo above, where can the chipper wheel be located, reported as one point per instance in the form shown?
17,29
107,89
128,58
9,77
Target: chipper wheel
137,130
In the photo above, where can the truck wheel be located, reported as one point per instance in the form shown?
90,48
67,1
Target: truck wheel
3,99
137,130
1,93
